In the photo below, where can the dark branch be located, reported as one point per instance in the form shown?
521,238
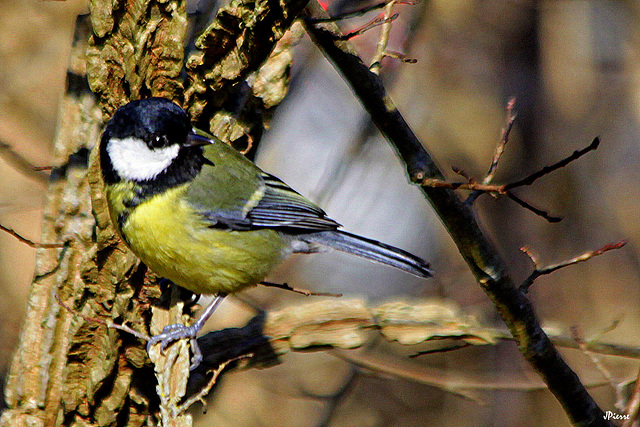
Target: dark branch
481,256
532,208
548,169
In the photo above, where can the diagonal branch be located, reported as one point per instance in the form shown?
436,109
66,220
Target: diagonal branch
540,271
375,22
505,189
381,47
481,256
633,407
595,360
548,169
30,243
504,139
497,155
21,164
532,208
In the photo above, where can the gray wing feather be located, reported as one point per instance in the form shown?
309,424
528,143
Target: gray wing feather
282,207
279,208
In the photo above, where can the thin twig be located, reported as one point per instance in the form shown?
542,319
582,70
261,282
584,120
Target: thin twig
380,20
540,271
459,384
360,12
108,324
606,330
383,41
249,145
476,187
548,169
504,139
31,243
505,189
537,211
593,344
463,174
599,365
441,350
497,155
633,406
20,163
206,389
400,57
470,186
304,292
532,257
598,347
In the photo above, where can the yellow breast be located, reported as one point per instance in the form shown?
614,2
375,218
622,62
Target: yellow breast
172,239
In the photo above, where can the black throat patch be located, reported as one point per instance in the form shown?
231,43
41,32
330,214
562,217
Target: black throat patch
183,169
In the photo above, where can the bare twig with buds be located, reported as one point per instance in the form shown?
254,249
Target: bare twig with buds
540,271
506,189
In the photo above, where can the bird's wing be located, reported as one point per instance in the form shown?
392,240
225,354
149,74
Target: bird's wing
231,192
282,207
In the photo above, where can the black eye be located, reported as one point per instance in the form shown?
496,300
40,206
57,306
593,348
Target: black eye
159,141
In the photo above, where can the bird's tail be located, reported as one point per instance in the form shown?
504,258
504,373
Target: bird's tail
370,249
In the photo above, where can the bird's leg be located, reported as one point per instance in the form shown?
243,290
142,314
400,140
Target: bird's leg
175,332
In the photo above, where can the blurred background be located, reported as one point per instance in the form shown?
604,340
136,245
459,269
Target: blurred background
573,67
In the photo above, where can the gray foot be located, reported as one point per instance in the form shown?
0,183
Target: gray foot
172,333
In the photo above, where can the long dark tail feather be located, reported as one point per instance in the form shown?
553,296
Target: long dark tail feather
371,250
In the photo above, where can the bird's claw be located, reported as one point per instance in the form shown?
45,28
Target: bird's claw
176,332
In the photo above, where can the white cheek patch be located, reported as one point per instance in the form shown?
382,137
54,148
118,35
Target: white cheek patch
132,159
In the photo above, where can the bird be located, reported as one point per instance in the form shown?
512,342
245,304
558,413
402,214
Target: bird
200,214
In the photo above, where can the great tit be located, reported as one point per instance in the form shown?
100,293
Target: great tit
200,214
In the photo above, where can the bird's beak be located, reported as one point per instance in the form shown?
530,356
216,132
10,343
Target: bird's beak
197,140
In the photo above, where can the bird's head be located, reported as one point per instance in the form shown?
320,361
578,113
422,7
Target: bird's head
144,138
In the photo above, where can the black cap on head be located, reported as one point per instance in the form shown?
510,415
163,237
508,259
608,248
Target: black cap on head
157,121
